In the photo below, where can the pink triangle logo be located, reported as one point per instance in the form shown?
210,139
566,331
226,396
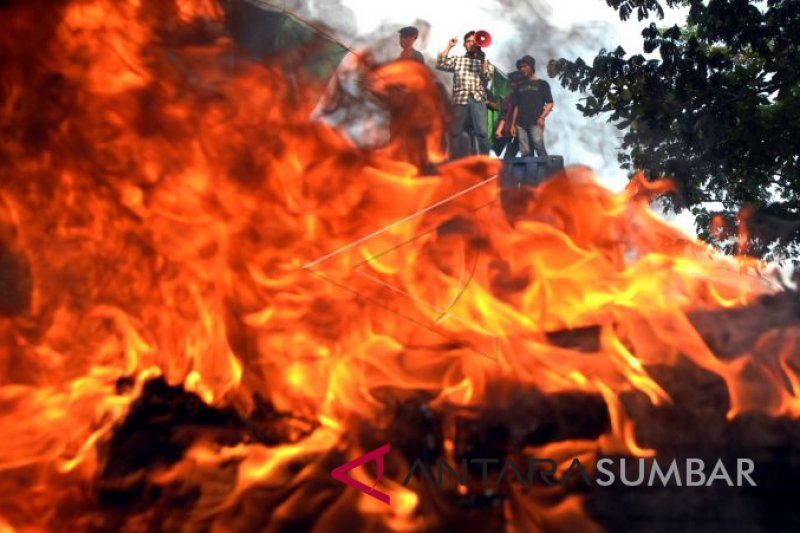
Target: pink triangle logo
376,455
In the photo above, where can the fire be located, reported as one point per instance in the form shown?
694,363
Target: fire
183,220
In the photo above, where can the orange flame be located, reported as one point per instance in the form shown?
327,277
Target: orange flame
167,204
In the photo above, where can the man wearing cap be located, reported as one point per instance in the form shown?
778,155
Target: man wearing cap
471,76
408,36
533,101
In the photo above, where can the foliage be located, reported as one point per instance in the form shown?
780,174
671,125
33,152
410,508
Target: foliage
718,110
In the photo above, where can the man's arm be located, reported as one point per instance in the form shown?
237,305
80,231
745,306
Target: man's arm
513,129
505,118
442,61
487,71
548,105
546,111
498,131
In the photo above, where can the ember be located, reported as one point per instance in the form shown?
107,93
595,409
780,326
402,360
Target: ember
168,363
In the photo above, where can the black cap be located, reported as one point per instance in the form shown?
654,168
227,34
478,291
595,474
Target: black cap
527,59
515,76
409,31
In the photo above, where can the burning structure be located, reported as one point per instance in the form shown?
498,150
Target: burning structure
209,303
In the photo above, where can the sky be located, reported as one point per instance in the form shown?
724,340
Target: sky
449,17
454,17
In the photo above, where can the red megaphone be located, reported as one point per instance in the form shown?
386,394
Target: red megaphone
482,38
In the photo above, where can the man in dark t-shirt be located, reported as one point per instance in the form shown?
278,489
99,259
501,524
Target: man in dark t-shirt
533,101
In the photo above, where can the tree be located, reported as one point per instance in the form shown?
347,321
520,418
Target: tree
719,112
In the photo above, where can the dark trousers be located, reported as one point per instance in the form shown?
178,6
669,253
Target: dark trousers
531,138
476,113
511,144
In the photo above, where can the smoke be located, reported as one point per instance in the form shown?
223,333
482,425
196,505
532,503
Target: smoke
330,13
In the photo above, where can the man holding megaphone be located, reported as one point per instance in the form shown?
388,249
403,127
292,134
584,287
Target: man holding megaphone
471,75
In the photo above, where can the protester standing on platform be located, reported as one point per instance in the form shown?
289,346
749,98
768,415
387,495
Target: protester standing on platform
502,133
471,74
533,101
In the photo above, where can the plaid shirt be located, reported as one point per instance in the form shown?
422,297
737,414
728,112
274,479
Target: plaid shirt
467,77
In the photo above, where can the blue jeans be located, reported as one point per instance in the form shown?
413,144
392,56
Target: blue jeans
476,112
531,138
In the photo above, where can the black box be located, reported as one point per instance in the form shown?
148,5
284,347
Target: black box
518,178
529,171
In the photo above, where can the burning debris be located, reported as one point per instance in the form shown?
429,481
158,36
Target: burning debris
168,363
